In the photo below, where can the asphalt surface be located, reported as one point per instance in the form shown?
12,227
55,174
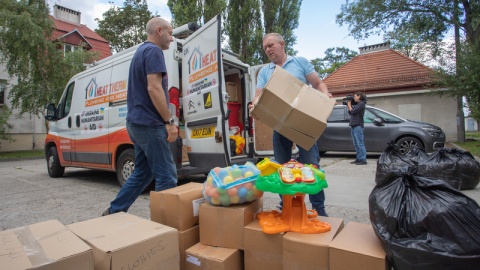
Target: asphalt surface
28,195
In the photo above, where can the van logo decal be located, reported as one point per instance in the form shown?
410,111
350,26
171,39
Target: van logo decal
207,100
201,65
191,105
91,88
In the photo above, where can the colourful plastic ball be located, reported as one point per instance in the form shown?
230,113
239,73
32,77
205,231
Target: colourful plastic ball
215,201
232,191
225,200
248,174
222,173
234,199
214,193
242,192
227,179
237,173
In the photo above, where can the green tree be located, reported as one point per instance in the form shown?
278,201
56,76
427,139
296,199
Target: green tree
125,27
243,27
197,11
430,20
281,17
32,57
334,59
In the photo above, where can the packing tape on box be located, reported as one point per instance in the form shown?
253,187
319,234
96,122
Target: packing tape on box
33,249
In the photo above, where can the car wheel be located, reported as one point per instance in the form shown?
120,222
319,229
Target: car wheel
53,163
125,166
407,143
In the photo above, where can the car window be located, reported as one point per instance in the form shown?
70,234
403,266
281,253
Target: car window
387,117
368,116
337,115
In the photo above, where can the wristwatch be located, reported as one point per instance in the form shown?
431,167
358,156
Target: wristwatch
170,121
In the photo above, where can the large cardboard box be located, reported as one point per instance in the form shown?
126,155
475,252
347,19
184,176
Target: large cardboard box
223,226
187,239
262,251
45,245
177,207
123,241
357,247
294,109
203,257
310,251
232,91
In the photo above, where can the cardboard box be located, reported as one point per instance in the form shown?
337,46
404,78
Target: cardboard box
262,251
203,257
357,247
45,245
293,108
232,91
123,241
223,226
310,251
187,239
177,207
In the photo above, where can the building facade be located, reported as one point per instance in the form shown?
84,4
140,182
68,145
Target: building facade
395,83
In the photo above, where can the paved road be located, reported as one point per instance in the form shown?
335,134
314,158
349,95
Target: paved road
28,195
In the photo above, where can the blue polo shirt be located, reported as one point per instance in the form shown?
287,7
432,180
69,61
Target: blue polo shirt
148,59
298,66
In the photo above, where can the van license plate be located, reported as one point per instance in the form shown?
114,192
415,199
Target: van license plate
203,132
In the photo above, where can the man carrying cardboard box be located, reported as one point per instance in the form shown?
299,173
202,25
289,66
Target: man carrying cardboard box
302,69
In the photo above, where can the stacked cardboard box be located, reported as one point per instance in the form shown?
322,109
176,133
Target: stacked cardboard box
290,250
44,245
357,247
123,241
221,236
179,208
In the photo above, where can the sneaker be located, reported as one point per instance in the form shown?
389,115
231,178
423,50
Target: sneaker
361,163
106,212
354,162
321,212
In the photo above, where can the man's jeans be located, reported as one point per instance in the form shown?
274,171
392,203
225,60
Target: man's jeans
153,160
357,135
282,150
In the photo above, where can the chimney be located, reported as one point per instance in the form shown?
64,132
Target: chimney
375,48
66,14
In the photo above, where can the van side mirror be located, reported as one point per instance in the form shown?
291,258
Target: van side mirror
50,112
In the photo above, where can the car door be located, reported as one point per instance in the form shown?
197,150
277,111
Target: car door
337,135
376,135
205,98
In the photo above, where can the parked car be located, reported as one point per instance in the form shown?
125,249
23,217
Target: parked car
381,127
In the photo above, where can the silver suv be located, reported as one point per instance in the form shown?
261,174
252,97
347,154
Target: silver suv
381,127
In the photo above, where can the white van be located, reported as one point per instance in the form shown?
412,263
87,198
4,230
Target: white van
212,88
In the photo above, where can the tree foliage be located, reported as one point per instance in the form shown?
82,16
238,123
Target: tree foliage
245,22
427,21
197,11
281,16
333,60
125,27
32,57
243,27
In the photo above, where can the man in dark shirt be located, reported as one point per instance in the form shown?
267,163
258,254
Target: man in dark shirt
356,123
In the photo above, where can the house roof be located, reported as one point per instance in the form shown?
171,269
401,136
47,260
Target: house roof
379,71
98,43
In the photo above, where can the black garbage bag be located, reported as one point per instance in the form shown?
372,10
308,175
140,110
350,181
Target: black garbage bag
468,169
415,155
425,224
457,167
440,165
391,162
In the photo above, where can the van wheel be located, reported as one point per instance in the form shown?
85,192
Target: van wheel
125,166
53,163
407,143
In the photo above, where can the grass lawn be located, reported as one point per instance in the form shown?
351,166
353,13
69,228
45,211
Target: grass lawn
21,155
472,142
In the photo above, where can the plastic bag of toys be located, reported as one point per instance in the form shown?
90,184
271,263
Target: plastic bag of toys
232,185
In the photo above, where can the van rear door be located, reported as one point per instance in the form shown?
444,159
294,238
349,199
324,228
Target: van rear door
204,98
